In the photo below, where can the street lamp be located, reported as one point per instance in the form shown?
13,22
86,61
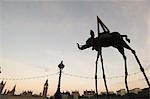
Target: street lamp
58,93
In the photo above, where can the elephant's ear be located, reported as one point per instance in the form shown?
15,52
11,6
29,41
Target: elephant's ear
92,33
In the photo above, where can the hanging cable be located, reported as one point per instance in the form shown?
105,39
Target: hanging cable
29,78
71,75
86,77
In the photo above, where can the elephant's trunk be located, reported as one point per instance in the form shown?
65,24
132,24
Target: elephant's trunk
83,46
79,46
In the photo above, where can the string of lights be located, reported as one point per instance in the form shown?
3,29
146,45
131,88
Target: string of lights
68,74
113,77
29,78
137,80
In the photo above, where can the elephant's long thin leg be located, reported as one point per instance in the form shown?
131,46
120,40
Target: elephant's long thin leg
138,61
121,50
96,73
141,68
104,77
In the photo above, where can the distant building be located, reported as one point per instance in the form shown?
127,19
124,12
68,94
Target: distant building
20,97
66,95
145,92
2,84
135,90
26,93
12,92
45,88
75,94
121,92
5,92
110,93
89,93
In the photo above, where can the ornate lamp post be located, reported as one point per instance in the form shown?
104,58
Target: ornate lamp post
58,93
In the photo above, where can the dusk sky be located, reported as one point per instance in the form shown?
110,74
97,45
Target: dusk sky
35,35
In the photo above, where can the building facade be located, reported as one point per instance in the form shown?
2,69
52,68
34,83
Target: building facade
121,92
